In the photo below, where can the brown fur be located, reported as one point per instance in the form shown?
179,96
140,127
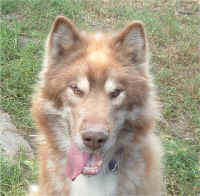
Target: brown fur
124,57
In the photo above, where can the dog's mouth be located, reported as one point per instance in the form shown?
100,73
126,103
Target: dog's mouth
79,162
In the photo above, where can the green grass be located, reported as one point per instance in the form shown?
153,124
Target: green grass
182,167
16,176
175,64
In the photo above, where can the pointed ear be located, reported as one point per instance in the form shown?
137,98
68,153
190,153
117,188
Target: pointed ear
63,38
132,43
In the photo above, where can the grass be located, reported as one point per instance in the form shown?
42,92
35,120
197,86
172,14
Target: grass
15,176
182,167
175,64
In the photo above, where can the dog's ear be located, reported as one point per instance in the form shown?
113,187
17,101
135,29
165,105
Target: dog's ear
132,43
63,38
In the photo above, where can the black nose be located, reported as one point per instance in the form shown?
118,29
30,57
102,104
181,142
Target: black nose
94,140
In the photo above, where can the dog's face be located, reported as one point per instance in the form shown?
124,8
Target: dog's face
95,83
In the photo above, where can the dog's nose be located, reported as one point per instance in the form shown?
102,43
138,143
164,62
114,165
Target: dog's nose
94,140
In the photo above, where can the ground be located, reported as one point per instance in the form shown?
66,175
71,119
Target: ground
173,31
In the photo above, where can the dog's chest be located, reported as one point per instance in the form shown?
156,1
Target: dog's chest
100,185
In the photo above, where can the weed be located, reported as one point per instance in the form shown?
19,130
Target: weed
16,175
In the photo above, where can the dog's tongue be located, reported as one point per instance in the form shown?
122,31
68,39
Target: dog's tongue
82,162
75,162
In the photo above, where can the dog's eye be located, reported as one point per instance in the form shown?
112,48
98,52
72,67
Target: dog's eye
115,93
76,90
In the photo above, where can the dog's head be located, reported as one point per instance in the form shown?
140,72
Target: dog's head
91,85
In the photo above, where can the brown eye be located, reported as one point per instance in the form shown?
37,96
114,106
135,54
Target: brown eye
76,90
115,93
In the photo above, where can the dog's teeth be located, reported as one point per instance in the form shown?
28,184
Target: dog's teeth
91,170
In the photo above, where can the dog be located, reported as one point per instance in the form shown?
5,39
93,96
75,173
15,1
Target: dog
95,108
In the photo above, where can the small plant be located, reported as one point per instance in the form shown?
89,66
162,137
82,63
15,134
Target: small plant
16,175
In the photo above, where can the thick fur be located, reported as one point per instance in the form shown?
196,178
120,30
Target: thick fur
81,75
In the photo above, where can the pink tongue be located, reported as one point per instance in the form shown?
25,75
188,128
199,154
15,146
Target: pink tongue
75,162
